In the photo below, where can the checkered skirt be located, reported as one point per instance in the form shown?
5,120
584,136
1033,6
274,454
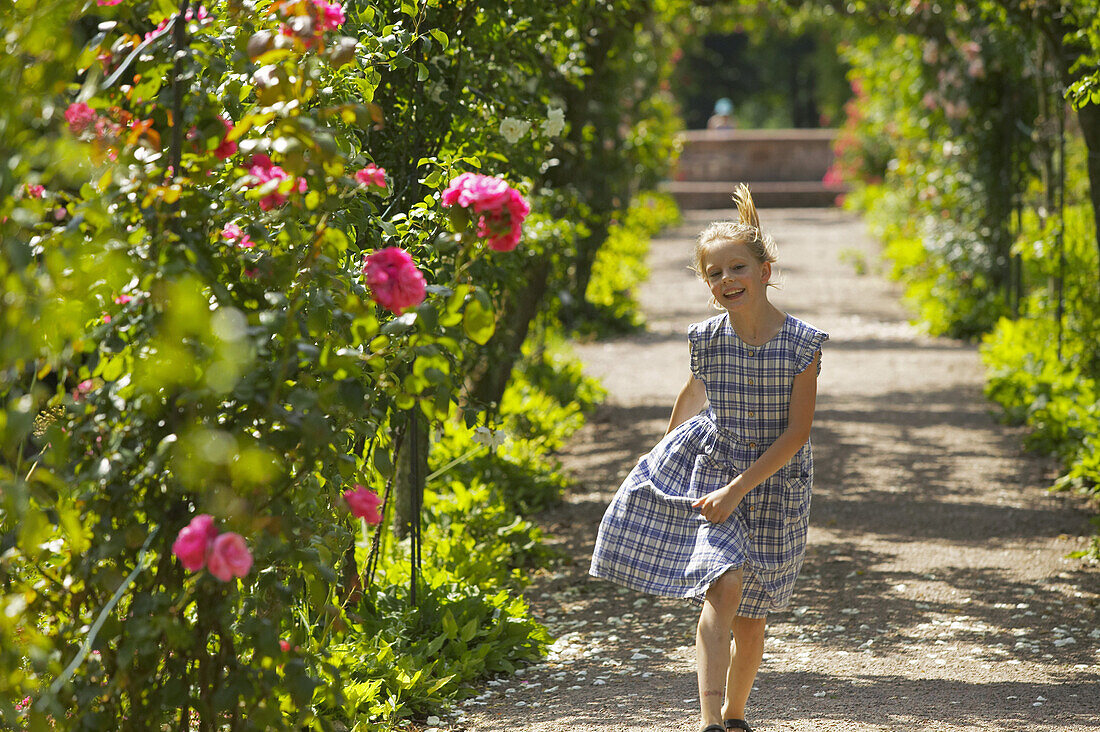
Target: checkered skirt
651,539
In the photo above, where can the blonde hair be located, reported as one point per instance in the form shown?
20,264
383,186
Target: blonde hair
746,230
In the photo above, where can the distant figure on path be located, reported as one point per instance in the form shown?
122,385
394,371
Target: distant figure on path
717,512
722,119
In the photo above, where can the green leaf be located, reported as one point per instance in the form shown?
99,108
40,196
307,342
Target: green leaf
440,37
478,321
450,626
111,368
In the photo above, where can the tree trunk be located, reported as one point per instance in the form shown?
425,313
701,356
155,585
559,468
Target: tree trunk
1088,117
412,468
490,377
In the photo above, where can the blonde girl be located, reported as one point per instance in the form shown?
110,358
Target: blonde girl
717,512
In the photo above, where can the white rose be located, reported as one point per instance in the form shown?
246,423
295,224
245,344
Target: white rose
555,122
513,129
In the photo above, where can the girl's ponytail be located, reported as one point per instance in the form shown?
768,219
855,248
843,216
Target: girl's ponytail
746,209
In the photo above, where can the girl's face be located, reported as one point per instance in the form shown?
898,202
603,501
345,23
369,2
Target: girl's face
734,276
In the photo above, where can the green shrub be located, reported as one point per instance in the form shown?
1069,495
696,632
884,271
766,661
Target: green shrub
621,264
400,661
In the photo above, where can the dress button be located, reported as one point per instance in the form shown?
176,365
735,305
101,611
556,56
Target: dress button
750,354
752,444
752,414
752,508
750,382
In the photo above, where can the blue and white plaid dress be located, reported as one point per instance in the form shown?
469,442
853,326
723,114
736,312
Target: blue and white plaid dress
651,538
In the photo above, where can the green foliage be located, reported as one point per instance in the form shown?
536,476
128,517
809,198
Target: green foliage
620,265
401,661
778,65
543,406
1047,375
154,366
965,167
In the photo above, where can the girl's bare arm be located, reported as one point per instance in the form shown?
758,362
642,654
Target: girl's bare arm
689,402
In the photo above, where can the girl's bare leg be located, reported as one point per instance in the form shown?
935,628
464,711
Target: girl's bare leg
712,644
745,653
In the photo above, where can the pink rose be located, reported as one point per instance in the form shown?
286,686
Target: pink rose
123,299
80,117
502,208
226,147
394,279
229,557
82,389
233,233
371,175
479,192
263,171
193,542
34,190
364,504
103,3
332,14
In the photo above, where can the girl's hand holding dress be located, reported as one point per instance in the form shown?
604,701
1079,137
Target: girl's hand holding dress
717,505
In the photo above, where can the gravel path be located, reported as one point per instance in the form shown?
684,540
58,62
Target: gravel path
936,592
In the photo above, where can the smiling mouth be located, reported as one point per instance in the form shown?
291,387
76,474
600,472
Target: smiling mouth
733,293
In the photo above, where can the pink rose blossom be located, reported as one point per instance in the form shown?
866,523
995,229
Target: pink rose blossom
233,233
394,279
371,175
193,543
123,299
80,117
263,171
502,208
190,15
284,646
82,389
332,14
229,557
226,147
364,504
103,3
251,273
479,192
34,190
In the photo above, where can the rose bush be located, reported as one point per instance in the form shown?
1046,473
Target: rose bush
988,194
206,172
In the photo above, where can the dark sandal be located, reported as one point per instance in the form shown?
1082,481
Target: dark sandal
738,724
713,728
